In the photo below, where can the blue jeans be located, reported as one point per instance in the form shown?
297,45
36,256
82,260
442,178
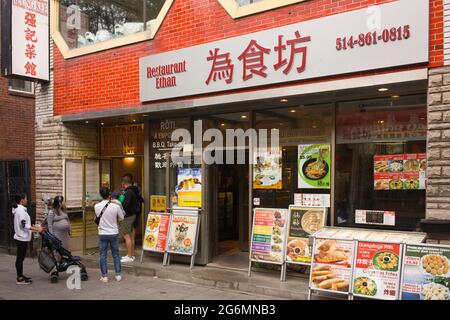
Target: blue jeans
113,241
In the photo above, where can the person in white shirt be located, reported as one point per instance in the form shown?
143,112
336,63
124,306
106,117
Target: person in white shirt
110,213
22,234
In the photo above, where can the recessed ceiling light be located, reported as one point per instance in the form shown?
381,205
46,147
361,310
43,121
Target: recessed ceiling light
244,117
284,100
383,89
102,123
395,97
134,120
293,111
222,124
86,121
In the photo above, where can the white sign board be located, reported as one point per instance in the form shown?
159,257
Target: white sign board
30,39
387,35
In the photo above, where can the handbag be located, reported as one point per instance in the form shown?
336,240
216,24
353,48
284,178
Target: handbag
46,260
97,219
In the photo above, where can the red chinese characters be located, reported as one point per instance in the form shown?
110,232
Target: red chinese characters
30,50
253,59
222,67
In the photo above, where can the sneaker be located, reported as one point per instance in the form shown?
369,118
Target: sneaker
104,279
126,259
118,278
23,280
28,279
133,257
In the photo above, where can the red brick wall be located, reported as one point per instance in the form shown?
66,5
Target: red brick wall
110,79
17,128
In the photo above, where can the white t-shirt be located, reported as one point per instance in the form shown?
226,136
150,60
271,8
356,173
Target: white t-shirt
109,222
22,234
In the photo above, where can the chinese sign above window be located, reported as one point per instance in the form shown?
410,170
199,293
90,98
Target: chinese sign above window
354,41
29,38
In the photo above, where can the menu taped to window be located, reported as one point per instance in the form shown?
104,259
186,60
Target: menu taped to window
400,171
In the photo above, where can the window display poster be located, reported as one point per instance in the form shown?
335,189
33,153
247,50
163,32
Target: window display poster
189,187
267,169
314,166
331,268
182,234
312,200
375,217
268,235
303,222
156,232
400,171
426,273
377,271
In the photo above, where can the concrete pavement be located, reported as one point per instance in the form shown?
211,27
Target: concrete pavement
132,287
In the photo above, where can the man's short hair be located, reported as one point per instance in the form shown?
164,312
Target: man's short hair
126,180
105,192
129,175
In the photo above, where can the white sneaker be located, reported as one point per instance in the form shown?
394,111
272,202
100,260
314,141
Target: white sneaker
126,259
118,278
104,279
133,257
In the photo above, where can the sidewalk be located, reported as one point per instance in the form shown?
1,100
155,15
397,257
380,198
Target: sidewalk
262,282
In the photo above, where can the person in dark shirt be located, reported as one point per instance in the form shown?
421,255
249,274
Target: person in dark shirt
138,193
130,204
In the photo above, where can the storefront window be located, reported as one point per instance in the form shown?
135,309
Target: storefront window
381,161
300,127
86,22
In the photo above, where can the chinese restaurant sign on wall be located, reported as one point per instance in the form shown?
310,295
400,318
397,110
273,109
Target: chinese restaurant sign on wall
127,140
354,41
27,35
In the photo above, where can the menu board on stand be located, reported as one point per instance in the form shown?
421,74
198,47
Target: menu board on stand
302,223
331,266
156,232
377,270
425,272
268,241
183,233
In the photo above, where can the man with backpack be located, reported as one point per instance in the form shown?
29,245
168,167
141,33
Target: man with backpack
140,200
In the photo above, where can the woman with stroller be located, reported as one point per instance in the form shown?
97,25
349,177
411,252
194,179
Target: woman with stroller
58,221
22,234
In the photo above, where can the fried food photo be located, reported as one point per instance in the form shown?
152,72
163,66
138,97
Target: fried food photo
435,265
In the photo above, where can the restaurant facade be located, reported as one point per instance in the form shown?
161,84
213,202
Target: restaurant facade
361,85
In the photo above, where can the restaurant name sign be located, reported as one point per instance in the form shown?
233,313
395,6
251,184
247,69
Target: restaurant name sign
388,35
125,140
25,39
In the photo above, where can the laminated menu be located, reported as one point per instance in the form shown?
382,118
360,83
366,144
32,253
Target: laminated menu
269,235
156,232
426,273
377,270
331,268
400,172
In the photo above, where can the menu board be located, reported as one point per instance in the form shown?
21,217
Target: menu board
331,268
156,232
267,173
189,187
303,222
182,234
377,270
426,273
269,235
400,172
314,166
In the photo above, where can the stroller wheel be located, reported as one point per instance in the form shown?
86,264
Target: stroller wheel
84,275
54,278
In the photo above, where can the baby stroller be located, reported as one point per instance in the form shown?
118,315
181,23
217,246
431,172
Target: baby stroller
54,256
